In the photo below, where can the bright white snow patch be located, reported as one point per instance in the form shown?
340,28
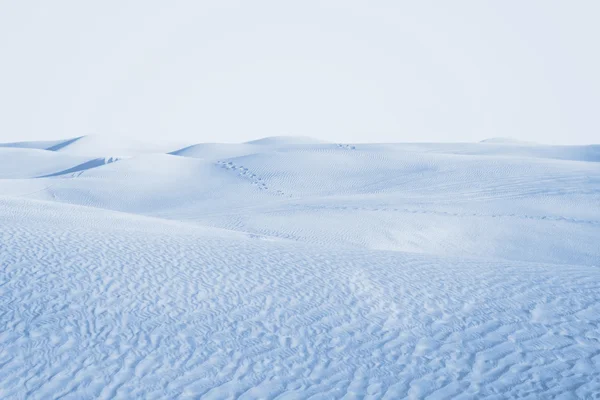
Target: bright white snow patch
284,269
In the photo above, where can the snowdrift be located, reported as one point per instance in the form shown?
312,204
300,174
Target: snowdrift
289,268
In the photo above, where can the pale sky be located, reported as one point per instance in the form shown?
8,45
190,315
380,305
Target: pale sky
343,71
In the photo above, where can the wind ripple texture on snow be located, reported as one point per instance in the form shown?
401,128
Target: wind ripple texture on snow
288,268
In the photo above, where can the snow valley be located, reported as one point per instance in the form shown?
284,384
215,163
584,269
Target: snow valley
290,268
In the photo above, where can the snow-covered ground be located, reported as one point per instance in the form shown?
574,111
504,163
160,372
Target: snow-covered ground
290,268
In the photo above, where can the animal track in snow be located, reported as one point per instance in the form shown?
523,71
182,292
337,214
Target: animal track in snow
247,174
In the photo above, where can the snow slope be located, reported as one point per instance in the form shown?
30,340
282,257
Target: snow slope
297,269
95,146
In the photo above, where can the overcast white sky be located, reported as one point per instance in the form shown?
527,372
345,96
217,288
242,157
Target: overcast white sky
346,71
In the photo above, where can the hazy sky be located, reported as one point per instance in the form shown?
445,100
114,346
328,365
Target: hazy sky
344,71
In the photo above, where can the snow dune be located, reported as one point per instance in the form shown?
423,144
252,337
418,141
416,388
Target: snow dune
290,268
285,141
95,146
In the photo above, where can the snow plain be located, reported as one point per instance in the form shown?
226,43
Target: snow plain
288,268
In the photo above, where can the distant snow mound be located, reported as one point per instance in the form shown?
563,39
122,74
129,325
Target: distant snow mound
81,168
64,143
103,146
504,140
51,145
30,162
285,140
95,146
215,151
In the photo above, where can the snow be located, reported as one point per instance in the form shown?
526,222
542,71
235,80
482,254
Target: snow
506,140
289,268
96,146
285,140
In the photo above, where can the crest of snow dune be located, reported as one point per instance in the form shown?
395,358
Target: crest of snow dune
96,146
504,140
285,140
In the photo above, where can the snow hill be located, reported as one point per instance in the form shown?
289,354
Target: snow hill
291,268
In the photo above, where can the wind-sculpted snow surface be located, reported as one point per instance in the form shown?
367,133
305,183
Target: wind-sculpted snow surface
299,270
